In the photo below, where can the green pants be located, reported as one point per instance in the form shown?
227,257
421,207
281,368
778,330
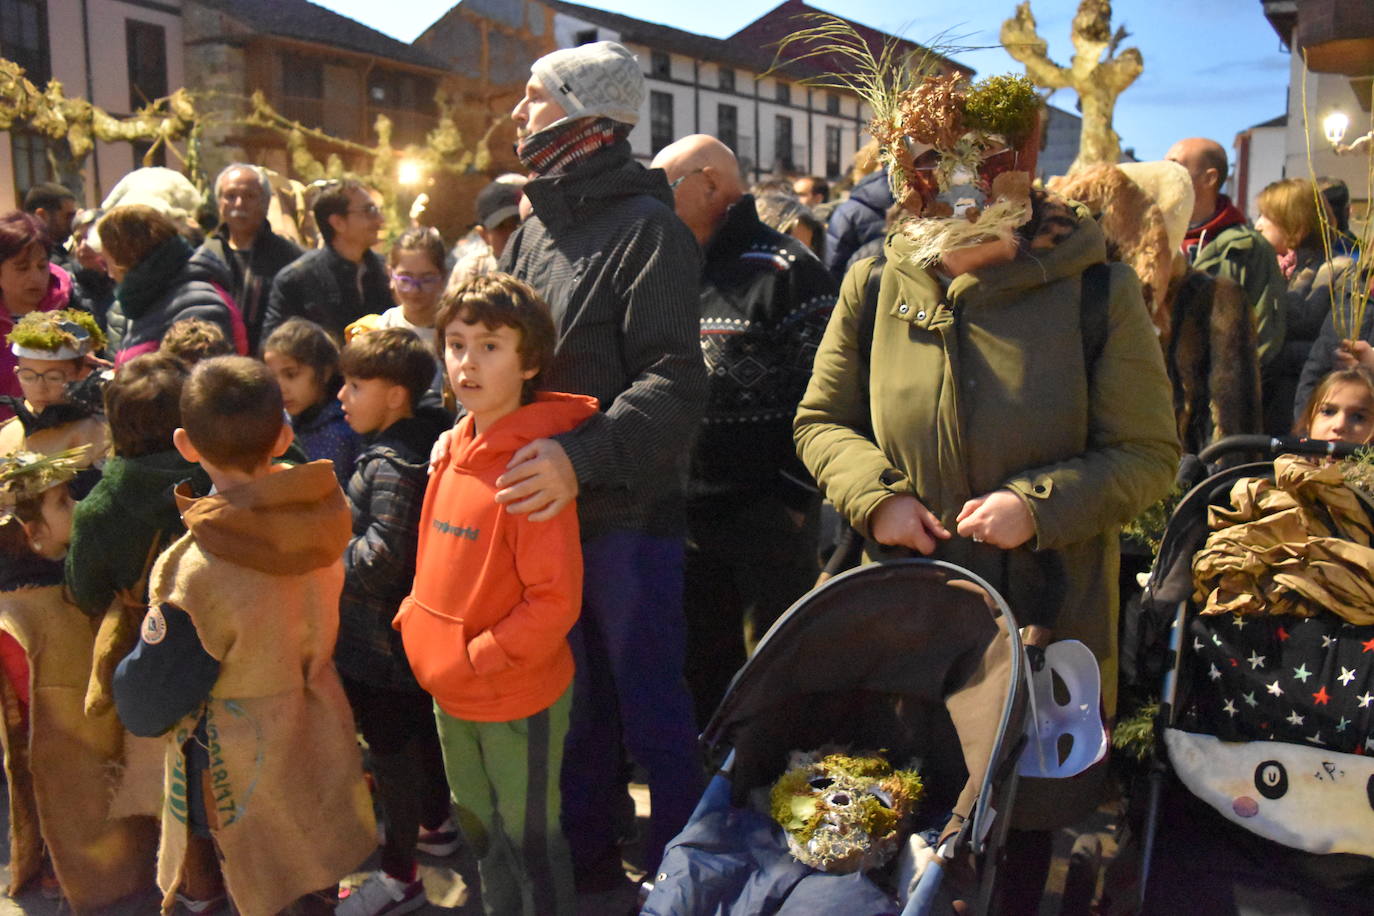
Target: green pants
506,774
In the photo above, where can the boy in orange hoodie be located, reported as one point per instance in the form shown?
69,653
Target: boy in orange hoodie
485,626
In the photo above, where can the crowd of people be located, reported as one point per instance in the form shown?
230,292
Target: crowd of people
243,526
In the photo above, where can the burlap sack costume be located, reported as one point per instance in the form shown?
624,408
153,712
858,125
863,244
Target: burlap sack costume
259,572
69,786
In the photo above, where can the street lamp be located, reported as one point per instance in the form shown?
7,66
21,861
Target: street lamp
1335,127
410,172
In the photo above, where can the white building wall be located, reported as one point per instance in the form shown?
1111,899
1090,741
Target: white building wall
1326,92
109,69
694,85
1267,156
566,29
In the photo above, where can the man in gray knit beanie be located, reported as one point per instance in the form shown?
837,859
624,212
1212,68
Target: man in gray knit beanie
577,101
620,272
598,79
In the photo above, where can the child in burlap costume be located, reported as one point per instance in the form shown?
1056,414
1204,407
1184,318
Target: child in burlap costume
235,663
72,782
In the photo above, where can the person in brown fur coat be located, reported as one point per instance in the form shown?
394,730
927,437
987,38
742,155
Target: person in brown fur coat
1204,325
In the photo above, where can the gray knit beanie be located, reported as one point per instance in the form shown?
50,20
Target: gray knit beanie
598,79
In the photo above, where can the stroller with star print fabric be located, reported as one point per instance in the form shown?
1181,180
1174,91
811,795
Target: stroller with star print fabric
1260,795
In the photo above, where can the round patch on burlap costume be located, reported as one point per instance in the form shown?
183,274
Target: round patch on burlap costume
154,629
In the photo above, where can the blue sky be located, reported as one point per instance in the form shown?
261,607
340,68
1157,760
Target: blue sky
1211,68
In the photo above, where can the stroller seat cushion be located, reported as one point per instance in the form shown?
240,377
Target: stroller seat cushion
1306,798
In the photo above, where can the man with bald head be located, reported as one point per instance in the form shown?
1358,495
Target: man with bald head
751,505
1220,242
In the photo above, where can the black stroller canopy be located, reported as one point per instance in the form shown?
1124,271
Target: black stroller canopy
912,658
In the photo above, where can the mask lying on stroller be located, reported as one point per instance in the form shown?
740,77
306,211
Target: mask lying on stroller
844,813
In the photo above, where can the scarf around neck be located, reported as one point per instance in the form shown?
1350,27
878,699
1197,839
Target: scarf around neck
557,149
147,280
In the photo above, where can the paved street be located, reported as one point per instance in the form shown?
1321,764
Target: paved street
449,883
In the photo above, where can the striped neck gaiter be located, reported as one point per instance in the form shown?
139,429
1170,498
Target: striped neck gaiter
555,150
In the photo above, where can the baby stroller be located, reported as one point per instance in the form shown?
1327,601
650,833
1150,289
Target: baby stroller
1260,796
917,658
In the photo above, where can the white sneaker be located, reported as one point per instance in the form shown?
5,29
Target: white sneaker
382,895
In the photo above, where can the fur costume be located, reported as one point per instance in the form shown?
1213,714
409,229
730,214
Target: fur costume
1204,323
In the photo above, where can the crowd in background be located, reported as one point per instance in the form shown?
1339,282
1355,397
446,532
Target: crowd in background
677,311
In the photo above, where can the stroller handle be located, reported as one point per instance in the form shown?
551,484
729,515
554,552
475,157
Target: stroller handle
1276,445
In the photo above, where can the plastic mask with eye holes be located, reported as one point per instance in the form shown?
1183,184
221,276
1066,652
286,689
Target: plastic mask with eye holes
843,813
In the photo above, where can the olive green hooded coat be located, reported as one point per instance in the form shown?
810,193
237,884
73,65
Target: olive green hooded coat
984,387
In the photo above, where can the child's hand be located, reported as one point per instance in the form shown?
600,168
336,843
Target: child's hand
999,518
539,479
1352,353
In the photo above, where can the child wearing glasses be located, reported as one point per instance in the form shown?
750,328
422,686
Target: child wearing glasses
417,270
50,350
416,267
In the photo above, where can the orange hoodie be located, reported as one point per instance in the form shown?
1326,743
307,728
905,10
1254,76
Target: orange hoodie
495,594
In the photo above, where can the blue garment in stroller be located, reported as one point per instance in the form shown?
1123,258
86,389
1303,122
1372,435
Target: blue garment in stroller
917,658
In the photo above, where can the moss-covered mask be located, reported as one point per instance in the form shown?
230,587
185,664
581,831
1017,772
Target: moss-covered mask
843,813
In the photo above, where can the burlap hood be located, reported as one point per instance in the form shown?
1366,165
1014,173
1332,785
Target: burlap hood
289,522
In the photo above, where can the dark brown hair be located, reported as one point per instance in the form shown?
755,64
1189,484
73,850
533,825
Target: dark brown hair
424,239
334,201
1357,374
499,300
231,409
194,339
131,232
143,404
308,344
396,355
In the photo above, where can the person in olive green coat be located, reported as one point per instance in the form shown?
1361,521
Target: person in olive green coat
974,432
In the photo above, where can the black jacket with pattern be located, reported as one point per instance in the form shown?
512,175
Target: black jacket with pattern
251,286
620,272
327,288
765,302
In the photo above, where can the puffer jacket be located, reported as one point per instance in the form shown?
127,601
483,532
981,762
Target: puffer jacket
620,272
172,284
385,495
982,387
856,222
1307,302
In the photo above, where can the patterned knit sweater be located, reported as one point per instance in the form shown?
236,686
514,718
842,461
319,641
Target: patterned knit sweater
765,302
